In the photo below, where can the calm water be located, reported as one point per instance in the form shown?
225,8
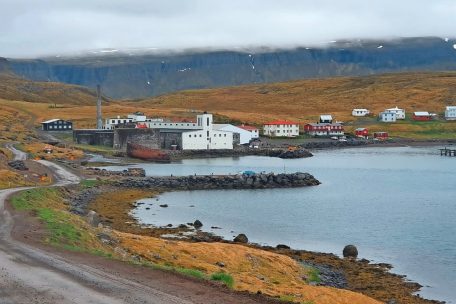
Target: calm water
398,205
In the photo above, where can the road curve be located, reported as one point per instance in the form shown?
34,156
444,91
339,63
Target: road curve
30,275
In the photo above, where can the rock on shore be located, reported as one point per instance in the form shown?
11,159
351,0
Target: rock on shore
240,181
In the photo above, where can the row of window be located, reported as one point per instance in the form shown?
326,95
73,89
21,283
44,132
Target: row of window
286,131
284,126
326,127
200,135
60,127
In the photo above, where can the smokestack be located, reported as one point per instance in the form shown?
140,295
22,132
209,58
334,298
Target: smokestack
99,118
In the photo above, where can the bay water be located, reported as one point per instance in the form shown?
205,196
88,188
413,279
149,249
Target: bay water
397,205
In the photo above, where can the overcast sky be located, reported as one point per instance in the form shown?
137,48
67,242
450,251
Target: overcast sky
32,28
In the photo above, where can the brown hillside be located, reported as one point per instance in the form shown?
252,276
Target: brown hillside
303,100
14,88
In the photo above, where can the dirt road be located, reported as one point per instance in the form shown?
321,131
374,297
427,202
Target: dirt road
33,275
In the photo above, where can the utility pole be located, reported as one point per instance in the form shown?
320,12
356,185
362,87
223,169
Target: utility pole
99,118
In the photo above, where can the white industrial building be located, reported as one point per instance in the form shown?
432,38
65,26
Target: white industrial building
387,116
244,136
138,117
360,112
281,128
206,137
450,113
400,113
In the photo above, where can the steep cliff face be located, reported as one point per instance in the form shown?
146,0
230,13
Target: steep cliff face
124,75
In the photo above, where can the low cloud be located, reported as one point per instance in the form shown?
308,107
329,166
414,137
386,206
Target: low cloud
48,27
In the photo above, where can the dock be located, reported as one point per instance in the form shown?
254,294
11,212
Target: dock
447,152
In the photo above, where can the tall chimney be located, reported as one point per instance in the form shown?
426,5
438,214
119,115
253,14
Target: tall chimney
99,118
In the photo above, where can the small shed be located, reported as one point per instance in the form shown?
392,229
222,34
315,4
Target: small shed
422,116
326,118
57,125
362,132
360,112
381,135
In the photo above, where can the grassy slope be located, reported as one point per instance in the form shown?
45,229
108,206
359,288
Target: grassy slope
304,100
300,100
15,88
64,229
251,269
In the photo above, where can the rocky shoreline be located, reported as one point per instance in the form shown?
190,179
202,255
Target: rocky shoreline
358,275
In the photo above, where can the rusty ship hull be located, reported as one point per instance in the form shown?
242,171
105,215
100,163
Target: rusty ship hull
146,153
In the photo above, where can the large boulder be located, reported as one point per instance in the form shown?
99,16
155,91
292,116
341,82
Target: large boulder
197,224
93,219
350,251
241,238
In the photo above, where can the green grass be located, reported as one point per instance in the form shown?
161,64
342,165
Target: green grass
89,183
287,298
64,229
314,275
61,230
226,278
191,273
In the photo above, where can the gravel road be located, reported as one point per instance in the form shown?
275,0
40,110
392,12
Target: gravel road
32,275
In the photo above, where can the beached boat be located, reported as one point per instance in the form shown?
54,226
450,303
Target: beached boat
146,153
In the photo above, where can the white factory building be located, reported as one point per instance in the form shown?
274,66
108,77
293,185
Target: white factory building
206,137
137,117
244,136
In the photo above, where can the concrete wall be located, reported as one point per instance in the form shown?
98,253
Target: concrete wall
145,137
94,137
169,138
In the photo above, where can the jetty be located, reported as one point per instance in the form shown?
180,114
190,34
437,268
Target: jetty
447,152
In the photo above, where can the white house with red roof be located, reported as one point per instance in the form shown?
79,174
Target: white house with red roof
253,130
281,128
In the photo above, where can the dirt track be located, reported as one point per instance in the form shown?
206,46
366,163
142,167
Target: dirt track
33,275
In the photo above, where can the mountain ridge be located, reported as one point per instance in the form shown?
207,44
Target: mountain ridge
124,76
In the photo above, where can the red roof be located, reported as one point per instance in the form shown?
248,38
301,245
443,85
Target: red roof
282,122
248,128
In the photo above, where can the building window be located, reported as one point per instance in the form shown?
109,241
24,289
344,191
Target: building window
224,135
190,135
201,135
207,121
220,135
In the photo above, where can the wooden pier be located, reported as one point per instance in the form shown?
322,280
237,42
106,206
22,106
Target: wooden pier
447,152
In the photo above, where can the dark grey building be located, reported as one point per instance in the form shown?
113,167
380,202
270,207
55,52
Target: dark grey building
57,125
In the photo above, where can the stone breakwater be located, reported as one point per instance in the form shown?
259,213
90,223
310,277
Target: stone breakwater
207,182
271,152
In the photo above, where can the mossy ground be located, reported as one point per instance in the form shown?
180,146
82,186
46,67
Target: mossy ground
63,229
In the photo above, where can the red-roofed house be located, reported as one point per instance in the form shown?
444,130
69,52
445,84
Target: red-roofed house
253,130
281,128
